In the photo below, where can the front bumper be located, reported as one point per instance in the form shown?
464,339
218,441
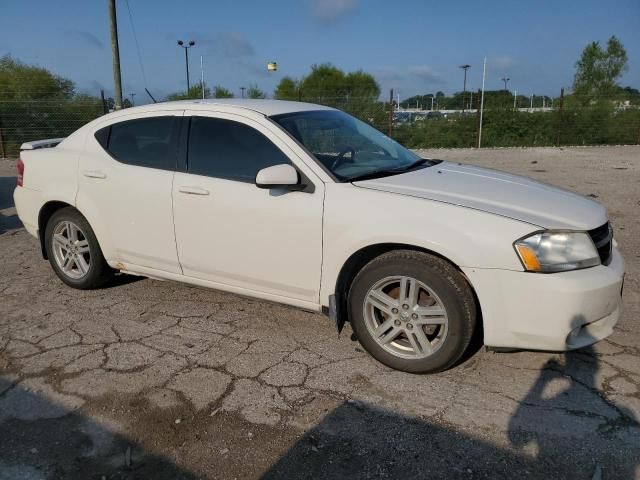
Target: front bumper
558,311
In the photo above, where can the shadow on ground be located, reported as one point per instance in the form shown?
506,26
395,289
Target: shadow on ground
45,439
46,436
7,222
7,184
357,440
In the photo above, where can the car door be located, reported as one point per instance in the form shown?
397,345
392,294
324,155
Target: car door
231,232
125,181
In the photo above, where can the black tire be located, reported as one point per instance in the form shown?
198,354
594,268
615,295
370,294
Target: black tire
98,272
444,280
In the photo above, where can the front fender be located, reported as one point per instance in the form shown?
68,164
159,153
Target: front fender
355,218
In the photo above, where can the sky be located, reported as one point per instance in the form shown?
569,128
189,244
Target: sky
413,46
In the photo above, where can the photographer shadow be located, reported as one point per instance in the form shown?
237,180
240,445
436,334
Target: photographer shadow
566,404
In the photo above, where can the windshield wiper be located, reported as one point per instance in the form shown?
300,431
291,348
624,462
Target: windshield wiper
418,163
375,174
391,171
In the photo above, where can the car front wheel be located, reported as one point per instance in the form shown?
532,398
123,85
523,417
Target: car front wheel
74,252
412,311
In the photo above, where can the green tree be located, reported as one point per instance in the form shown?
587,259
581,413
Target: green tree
221,92
254,92
598,69
195,91
36,104
287,89
329,85
354,92
362,86
19,81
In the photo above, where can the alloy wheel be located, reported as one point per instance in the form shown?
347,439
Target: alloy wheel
71,250
405,317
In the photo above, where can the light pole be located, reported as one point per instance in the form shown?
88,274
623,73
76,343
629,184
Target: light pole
242,89
132,94
505,80
186,47
465,67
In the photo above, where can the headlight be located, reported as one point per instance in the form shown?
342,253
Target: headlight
549,252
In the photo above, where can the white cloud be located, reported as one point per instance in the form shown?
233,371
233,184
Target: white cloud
85,37
232,45
409,80
411,74
425,73
327,11
501,62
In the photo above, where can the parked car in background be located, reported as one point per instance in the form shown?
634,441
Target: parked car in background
305,205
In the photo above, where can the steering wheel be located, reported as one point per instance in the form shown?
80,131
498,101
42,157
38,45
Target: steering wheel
341,157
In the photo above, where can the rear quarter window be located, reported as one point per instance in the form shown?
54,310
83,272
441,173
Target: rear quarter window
145,142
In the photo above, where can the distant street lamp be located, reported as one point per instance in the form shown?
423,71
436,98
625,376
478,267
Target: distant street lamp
465,67
132,94
242,89
505,80
186,47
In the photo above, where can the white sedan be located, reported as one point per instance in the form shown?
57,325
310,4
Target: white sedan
306,205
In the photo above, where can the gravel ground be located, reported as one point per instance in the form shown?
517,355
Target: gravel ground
149,379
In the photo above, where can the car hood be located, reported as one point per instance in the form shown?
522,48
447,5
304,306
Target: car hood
496,192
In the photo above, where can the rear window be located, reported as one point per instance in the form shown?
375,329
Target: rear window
145,142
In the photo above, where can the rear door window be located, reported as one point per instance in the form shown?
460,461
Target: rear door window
145,142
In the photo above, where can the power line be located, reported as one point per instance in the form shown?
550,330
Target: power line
135,38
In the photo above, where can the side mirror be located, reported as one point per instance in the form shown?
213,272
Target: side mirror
278,176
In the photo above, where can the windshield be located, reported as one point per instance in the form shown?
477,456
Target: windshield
350,149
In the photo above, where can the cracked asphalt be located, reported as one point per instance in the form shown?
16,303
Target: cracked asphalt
150,379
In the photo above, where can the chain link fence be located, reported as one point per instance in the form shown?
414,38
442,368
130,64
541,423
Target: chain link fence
26,120
570,121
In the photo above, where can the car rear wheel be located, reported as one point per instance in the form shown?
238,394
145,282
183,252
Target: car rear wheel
74,252
412,311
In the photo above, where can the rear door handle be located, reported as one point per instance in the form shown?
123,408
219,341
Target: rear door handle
193,190
94,174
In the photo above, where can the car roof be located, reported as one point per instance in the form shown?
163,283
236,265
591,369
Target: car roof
266,107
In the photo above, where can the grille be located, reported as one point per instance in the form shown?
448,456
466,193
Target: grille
602,238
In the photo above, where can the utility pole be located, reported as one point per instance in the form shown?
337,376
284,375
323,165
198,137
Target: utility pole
484,74
465,67
477,107
390,112
202,76
105,109
515,97
561,118
115,53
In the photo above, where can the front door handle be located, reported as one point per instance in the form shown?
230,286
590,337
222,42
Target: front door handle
94,174
193,190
